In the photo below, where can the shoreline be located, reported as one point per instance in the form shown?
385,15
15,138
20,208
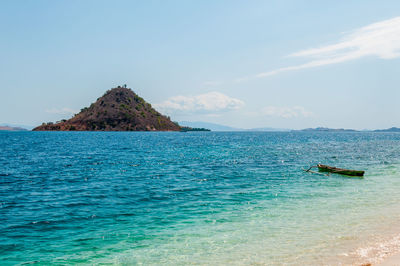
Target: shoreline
384,252
377,244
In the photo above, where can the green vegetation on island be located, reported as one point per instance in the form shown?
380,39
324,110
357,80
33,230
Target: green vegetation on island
186,129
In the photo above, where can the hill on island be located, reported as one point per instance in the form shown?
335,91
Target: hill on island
119,109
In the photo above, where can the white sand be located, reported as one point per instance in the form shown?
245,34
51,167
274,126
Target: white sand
391,261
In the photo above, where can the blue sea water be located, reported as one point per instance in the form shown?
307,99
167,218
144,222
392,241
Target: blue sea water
195,198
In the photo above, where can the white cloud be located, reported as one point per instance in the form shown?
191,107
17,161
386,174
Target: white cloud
203,103
62,111
286,112
381,40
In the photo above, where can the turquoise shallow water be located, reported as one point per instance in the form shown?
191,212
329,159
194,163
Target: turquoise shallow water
196,198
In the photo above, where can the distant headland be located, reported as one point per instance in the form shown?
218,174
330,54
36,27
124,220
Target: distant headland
119,109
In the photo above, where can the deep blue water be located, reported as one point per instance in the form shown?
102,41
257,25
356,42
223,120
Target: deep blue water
154,198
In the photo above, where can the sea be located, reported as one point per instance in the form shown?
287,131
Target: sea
197,198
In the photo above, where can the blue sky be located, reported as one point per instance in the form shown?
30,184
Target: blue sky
285,64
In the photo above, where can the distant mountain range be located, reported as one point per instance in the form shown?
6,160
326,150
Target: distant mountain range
18,126
392,129
211,126
9,128
218,127
325,129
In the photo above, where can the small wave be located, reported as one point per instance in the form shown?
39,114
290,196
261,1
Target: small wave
76,204
377,252
41,222
31,262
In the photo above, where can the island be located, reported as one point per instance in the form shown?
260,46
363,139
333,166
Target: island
392,129
119,109
187,129
10,128
325,129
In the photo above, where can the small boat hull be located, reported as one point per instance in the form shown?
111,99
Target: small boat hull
330,169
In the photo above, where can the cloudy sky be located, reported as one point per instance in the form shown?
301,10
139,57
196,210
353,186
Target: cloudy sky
285,64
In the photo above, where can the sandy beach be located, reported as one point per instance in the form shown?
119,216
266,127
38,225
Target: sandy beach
393,260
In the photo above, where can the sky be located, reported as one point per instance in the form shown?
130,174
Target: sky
247,64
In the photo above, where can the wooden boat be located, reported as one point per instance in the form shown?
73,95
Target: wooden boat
330,169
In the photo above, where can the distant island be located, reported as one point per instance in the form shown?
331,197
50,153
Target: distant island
219,127
211,126
10,128
392,129
119,109
325,129
186,129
